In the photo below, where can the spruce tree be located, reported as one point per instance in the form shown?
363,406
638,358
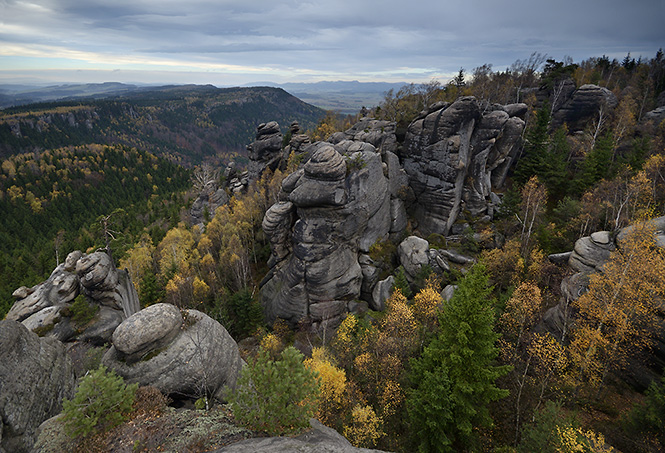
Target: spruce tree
535,154
454,379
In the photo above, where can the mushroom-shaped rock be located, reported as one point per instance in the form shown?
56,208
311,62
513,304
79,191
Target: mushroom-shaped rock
202,358
326,164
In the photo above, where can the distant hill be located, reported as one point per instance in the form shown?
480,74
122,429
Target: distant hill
15,95
341,96
189,123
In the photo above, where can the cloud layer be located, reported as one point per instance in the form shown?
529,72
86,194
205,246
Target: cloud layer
231,42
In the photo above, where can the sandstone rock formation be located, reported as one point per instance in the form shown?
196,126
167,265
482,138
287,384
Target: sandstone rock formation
343,199
45,306
588,257
35,375
320,439
189,356
454,154
582,106
211,197
378,133
266,151
656,116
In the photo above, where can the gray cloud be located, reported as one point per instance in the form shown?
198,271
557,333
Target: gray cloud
342,38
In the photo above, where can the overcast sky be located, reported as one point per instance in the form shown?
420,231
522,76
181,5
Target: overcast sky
232,42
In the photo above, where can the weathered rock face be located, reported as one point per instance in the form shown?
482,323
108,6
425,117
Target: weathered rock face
378,133
656,115
191,357
208,201
334,208
266,151
320,439
591,252
43,306
35,375
583,105
454,154
589,256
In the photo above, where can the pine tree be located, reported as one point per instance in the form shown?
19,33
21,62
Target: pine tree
454,379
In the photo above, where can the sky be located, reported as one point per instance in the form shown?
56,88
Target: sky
232,42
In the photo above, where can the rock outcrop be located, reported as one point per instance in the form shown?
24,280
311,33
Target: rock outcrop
35,375
344,198
320,439
266,151
588,257
191,355
582,106
378,133
46,306
454,154
211,197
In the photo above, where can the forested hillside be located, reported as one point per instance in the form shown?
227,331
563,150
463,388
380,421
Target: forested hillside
187,124
51,202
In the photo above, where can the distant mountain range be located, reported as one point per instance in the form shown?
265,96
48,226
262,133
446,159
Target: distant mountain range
341,96
188,123
14,95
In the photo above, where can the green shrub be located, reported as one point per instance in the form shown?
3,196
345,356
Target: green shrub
402,283
82,312
276,396
101,402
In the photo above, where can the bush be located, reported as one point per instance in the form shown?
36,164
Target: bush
276,396
82,311
102,401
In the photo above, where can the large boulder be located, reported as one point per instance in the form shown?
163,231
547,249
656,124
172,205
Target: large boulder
35,375
191,355
453,155
591,252
46,307
319,439
413,255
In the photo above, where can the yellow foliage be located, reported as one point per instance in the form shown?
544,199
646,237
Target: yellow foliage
521,310
175,250
272,344
391,397
618,314
201,290
178,291
505,265
343,341
332,385
365,429
398,321
425,306
138,260
573,440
